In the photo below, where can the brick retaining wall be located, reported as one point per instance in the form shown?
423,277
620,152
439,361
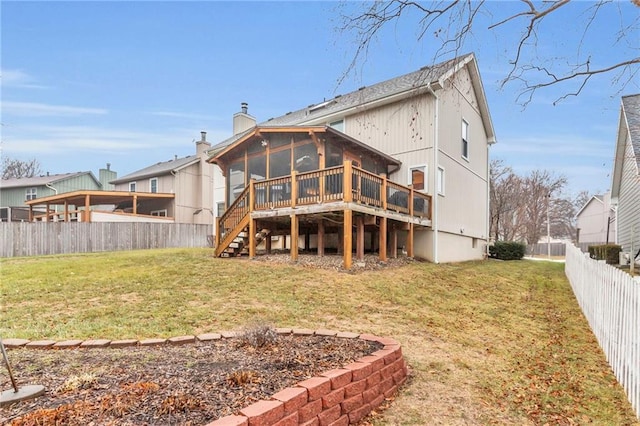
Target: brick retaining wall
336,397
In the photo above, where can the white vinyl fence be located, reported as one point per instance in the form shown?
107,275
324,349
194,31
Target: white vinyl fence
610,300
42,238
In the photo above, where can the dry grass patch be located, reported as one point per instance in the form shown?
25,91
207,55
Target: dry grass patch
487,342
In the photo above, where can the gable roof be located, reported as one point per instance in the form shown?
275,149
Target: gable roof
423,80
159,169
628,129
43,180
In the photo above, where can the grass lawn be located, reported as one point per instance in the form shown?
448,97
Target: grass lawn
487,342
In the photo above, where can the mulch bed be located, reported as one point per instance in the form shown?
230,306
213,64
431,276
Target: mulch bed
192,384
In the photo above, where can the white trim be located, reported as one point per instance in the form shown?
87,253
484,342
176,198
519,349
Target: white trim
134,184
157,213
151,185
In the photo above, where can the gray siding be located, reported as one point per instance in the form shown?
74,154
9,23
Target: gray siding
629,202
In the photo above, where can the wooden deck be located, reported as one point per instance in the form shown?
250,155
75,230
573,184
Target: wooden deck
340,195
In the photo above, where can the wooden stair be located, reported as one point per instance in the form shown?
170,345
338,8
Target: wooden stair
240,244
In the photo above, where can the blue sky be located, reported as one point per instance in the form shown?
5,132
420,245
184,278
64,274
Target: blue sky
134,83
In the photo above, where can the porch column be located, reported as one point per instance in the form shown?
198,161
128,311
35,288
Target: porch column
294,237
87,207
46,215
348,243
320,237
252,238
66,211
410,241
382,253
360,238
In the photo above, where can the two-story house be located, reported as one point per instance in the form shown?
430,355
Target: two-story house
625,184
410,155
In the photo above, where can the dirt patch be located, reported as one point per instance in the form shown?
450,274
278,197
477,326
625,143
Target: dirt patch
167,385
371,262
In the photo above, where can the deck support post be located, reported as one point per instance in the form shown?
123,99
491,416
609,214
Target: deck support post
382,252
394,242
252,238
294,237
267,244
410,241
360,238
321,237
348,243
307,239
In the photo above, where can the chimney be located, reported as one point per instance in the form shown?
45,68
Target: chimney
203,136
108,166
202,146
242,120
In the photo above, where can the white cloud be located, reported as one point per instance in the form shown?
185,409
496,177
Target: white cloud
34,109
18,78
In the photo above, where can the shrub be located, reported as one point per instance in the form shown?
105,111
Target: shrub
507,250
608,252
258,335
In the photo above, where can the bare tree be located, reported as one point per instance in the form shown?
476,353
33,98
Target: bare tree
449,24
539,186
505,192
13,168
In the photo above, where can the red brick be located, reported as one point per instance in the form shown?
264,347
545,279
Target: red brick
229,334
371,394
292,398
14,343
359,370
324,332
95,343
386,384
230,421
290,420
391,391
313,422
333,398
310,411
353,403
387,372
317,387
347,335
182,340
397,365
342,421
283,330
370,337
123,343
377,362
374,379
40,344
67,344
339,377
303,331
377,401
388,355
152,342
264,413
398,377
397,350
387,341
355,388
356,415
330,415
206,337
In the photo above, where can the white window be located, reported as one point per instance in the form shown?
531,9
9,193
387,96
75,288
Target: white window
162,213
132,187
153,185
440,182
31,194
338,125
418,177
220,208
465,140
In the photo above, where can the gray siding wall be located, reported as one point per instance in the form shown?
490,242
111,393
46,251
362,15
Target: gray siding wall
628,216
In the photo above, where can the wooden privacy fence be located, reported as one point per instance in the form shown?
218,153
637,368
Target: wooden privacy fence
42,238
610,300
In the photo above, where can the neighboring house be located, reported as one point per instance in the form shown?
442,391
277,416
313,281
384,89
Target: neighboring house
16,192
625,186
596,221
427,132
188,181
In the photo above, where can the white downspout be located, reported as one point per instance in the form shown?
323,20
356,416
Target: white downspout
434,218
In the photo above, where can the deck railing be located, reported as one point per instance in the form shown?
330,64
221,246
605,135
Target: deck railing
341,183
